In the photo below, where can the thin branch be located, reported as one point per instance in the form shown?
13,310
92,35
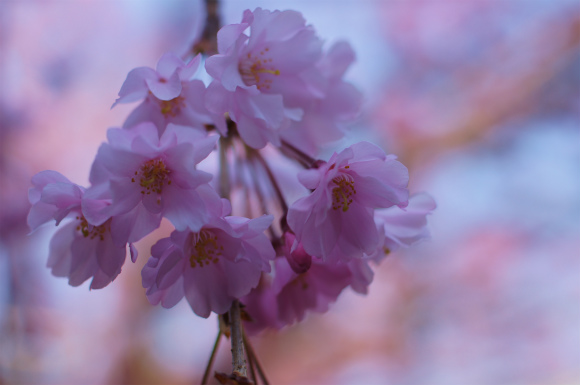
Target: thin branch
306,160
273,181
238,359
254,358
211,358
224,174
250,361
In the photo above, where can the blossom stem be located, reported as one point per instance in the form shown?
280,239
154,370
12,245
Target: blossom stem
211,358
273,181
224,175
252,356
306,160
261,200
250,360
238,359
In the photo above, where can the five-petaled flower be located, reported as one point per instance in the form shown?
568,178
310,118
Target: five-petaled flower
168,93
150,177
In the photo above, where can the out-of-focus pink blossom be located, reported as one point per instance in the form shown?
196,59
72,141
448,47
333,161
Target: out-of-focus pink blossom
150,177
335,221
168,93
79,250
404,227
261,76
212,267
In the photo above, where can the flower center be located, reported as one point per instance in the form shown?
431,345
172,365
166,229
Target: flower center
257,70
152,176
343,192
172,107
90,231
205,249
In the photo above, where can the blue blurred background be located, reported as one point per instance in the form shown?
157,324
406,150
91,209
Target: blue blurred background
480,99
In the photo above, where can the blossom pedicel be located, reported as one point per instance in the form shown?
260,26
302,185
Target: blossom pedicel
273,85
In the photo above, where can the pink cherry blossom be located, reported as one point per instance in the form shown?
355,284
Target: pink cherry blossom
168,94
335,221
285,297
79,250
150,177
262,77
325,115
52,197
211,267
299,284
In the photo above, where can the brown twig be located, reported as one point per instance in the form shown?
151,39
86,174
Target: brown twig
224,174
238,358
254,358
300,156
256,155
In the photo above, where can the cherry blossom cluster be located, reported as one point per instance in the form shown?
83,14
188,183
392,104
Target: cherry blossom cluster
274,94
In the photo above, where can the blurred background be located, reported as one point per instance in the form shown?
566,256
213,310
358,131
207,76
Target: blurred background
480,99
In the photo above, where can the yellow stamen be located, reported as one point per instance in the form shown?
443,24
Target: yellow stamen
154,175
342,194
253,66
90,231
204,248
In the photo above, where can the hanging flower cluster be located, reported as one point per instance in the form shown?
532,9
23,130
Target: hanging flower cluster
274,94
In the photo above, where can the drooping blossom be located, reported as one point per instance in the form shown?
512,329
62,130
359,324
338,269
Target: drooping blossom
300,284
150,177
262,77
325,115
168,94
79,250
211,267
335,222
286,297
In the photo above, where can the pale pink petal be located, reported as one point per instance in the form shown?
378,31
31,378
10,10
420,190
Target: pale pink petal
148,111
184,208
205,291
171,268
135,86
310,178
362,275
60,257
190,68
172,295
110,257
134,225
169,64
227,37
134,253
84,262
242,275
165,88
